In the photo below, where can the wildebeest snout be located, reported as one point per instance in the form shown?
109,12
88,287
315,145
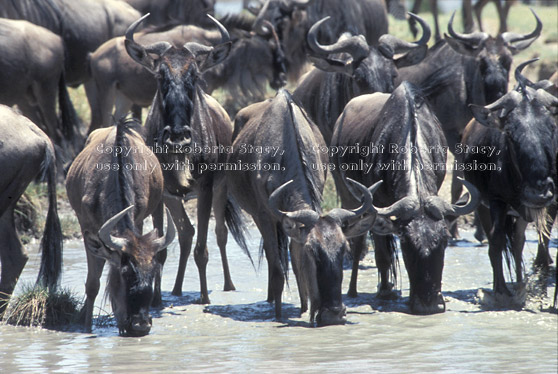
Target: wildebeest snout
332,316
139,324
177,136
540,194
432,305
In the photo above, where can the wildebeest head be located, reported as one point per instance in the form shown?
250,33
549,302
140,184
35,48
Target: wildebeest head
178,72
373,68
493,55
525,118
132,270
320,241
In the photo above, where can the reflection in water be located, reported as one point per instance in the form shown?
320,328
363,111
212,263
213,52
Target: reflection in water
236,333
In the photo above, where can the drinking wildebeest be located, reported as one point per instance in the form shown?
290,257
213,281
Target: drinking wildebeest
117,78
25,151
407,150
476,71
31,76
194,133
293,18
282,192
520,125
325,90
83,25
113,185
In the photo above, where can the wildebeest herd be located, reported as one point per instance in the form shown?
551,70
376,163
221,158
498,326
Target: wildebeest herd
376,113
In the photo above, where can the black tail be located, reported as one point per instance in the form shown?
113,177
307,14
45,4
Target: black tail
71,123
51,243
235,224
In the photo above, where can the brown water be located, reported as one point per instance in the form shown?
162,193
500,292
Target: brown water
237,334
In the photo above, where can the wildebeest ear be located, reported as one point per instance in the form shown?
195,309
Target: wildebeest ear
332,65
140,55
413,57
97,249
217,55
295,230
485,116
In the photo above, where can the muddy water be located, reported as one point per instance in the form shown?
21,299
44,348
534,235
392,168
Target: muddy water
237,334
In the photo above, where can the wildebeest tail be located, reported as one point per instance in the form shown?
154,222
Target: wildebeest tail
51,243
435,82
236,226
71,123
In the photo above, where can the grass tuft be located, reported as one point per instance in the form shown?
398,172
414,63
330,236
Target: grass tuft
36,306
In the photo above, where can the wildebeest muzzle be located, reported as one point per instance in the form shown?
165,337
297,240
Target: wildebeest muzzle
176,138
138,324
332,316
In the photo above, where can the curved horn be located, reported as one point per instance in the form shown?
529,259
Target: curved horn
132,28
473,39
471,205
163,242
522,81
108,240
356,46
197,48
511,38
367,196
304,216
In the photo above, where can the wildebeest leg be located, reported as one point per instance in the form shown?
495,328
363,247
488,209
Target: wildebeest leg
358,245
185,235
478,11
92,284
101,101
296,258
411,20
518,241
136,112
497,244
434,10
205,197
12,257
221,232
543,259
456,189
276,281
161,256
384,256
122,106
468,23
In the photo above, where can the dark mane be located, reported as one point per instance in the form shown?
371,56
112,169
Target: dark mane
45,13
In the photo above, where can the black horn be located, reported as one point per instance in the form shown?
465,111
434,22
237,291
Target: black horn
164,241
356,46
474,40
367,198
111,242
397,45
305,216
518,42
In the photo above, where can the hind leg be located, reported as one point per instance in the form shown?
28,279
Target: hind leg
221,232
12,257
358,246
384,253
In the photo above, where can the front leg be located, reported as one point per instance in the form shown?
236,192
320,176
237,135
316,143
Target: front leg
205,197
497,244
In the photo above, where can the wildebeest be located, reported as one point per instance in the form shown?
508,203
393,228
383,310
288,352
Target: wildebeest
293,18
113,185
521,127
190,12
474,69
325,90
25,151
116,78
83,25
282,193
31,76
193,133
400,141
